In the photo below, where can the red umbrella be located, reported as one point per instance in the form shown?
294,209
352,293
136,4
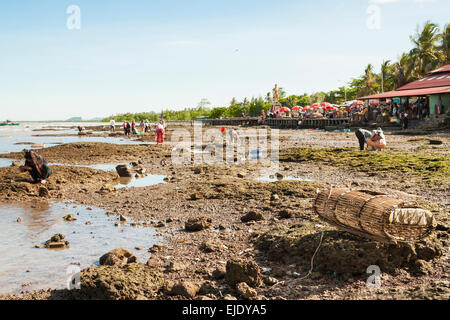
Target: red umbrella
325,105
306,108
285,109
296,108
315,105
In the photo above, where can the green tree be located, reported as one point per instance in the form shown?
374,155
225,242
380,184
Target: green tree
425,54
445,45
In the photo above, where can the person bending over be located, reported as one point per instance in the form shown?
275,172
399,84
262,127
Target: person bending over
377,141
362,135
37,166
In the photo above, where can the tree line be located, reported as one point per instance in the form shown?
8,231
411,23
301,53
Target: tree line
431,50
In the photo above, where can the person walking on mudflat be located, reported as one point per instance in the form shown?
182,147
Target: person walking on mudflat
37,166
160,132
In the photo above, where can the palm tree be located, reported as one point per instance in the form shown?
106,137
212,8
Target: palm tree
369,81
386,76
403,70
445,46
425,53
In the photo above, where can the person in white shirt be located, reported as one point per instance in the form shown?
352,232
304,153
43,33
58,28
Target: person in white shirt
112,125
377,141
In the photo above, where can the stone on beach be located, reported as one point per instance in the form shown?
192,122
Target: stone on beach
119,282
252,216
186,289
198,223
243,271
118,256
123,171
56,242
69,217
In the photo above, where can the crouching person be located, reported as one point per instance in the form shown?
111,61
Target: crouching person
36,166
377,141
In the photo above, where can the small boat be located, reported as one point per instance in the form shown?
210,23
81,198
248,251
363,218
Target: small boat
8,123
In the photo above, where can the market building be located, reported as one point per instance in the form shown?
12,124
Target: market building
433,90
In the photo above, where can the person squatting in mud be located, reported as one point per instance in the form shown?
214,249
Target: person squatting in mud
37,166
375,139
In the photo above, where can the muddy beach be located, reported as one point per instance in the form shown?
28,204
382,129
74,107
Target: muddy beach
229,235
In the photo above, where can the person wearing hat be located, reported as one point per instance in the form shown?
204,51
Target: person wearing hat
36,166
377,141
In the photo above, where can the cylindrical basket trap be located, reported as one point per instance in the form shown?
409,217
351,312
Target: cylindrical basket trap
374,215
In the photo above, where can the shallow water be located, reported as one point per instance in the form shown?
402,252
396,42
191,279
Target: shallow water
274,179
149,180
105,167
5,162
47,268
11,135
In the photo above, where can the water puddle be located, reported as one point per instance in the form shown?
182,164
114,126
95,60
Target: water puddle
5,162
105,167
90,236
149,180
275,178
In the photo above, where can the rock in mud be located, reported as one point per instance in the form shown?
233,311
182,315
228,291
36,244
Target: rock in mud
219,273
198,223
69,217
211,246
196,196
128,282
243,271
186,289
117,257
245,291
56,242
175,267
341,252
123,171
285,214
43,192
241,175
252,216
420,267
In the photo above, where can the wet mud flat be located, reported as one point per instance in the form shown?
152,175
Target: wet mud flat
230,236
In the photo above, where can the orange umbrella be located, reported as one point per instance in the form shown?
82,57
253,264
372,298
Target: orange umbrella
306,108
296,108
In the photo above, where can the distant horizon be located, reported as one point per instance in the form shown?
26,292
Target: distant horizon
98,58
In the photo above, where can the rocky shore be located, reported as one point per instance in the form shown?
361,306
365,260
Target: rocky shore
231,236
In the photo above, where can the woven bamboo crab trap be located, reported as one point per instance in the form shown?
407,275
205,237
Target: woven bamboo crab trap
374,215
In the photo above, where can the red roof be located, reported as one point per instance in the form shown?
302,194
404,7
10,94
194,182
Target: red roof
442,69
408,93
433,80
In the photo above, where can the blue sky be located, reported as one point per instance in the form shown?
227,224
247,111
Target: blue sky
135,55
